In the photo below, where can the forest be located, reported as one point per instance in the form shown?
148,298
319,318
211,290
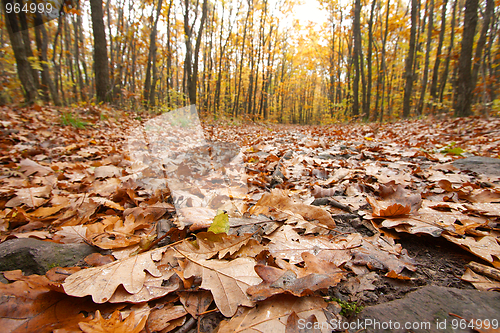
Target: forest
373,60
203,166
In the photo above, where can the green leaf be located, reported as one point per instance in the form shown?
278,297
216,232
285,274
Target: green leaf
221,223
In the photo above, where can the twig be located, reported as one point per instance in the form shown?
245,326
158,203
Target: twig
187,326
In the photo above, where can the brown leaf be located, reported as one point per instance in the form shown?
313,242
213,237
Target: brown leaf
30,167
381,253
196,302
278,202
210,245
479,281
286,243
317,274
113,324
272,314
107,171
101,282
486,247
161,319
227,280
29,305
32,197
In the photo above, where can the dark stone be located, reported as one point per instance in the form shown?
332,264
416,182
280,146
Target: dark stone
432,304
484,165
34,256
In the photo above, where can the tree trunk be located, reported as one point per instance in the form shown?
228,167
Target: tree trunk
356,28
430,26
464,93
101,62
409,61
148,95
435,71
444,77
488,13
23,66
369,62
41,42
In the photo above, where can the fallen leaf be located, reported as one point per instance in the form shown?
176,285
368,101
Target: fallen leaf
196,302
113,324
479,281
486,247
272,315
227,280
107,171
279,201
30,167
32,197
220,223
101,282
317,274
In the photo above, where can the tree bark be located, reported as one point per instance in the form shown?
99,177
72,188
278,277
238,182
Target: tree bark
148,94
430,26
409,61
435,71
101,62
356,28
23,66
444,77
464,93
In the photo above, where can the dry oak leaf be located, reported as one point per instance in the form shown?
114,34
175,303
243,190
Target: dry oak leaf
487,247
32,197
317,274
196,302
212,245
396,201
227,280
286,243
479,281
428,221
278,201
29,305
30,167
381,253
161,319
101,282
107,171
113,324
272,315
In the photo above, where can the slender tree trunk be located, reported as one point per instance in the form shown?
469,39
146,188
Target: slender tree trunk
41,41
409,61
369,62
435,71
481,42
23,66
240,70
148,95
356,28
101,62
463,97
444,76
430,27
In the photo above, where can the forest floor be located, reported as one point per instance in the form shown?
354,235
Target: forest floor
319,220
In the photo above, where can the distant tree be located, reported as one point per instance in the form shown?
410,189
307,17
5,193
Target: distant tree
463,96
101,62
24,69
409,75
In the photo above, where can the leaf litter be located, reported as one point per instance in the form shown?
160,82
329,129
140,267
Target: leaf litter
298,213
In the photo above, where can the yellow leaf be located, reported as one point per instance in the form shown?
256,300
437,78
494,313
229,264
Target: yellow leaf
221,223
